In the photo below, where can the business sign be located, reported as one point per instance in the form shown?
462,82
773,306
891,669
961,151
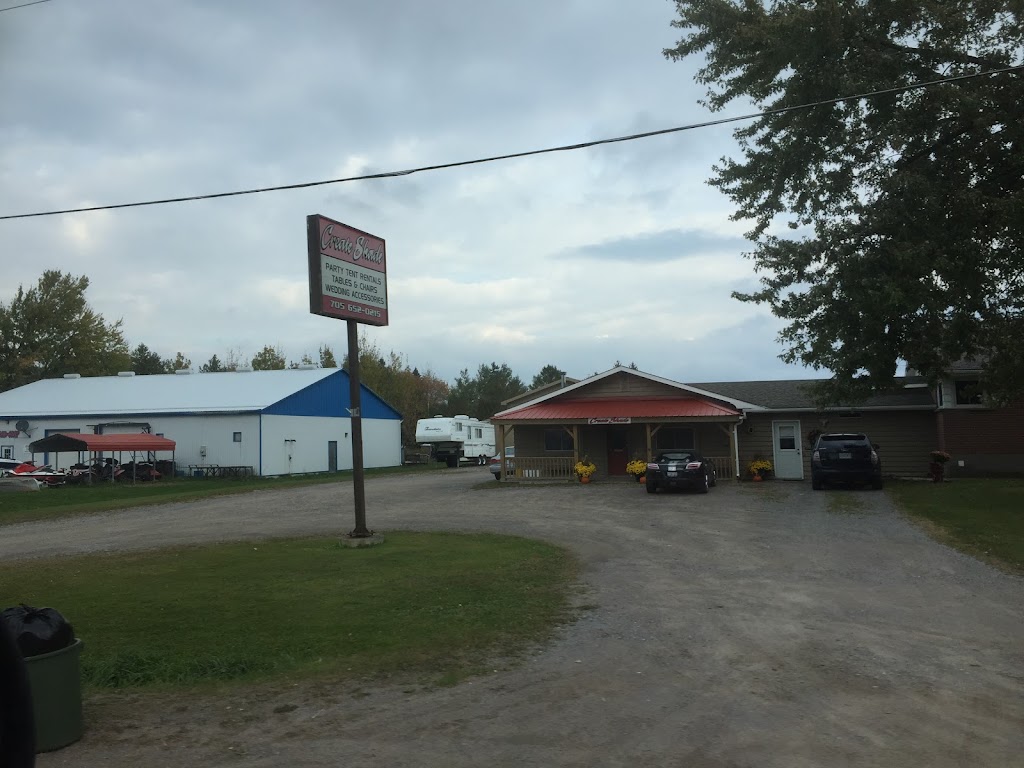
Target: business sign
610,420
347,272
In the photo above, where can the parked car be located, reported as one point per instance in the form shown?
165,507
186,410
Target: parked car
681,469
510,466
847,458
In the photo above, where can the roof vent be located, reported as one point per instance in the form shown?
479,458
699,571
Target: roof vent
126,374
72,375
183,372
305,367
461,416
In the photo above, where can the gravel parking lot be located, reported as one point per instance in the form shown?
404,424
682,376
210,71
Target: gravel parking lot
760,625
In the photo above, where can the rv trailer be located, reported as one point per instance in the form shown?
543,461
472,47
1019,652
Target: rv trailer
454,439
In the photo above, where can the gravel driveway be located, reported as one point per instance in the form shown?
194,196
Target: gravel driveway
750,627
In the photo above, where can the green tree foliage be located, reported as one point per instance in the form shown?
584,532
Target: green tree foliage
905,210
411,393
49,330
179,363
481,396
269,359
145,361
327,357
213,365
547,374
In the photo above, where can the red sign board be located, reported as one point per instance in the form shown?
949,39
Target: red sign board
347,272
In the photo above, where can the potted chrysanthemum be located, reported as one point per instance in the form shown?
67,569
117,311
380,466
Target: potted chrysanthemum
584,469
937,466
759,469
637,469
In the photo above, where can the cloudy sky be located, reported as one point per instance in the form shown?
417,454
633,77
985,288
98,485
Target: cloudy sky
577,259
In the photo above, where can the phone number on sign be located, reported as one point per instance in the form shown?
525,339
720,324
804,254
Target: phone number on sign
355,308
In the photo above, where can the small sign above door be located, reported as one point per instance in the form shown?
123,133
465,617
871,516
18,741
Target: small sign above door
610,420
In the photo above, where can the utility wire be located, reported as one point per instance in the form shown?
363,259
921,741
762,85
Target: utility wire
23,5
528,153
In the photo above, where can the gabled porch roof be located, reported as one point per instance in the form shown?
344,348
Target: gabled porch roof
568,410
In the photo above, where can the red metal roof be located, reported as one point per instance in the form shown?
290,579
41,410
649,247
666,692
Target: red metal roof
655,408
84,442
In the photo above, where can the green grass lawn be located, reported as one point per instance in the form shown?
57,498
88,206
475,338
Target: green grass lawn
984,517
434,605
68,500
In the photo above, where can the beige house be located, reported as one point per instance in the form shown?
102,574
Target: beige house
625,414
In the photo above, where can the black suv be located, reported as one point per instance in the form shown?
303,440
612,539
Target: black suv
845,457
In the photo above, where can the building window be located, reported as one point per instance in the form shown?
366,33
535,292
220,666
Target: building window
557,440
458,426
968,392
7,452
479,433
236,437
675,438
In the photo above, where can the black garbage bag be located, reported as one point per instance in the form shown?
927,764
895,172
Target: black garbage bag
38,630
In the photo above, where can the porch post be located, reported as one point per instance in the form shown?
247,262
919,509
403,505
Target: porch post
650,453
575,445
501,452
734,453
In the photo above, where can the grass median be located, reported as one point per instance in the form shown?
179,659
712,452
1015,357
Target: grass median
983,517
71,500
433,605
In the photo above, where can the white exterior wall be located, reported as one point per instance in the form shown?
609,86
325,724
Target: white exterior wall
189,432
382,440
216,433
382,443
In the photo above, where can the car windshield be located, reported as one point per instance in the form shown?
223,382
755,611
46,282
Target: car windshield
675,456
843,438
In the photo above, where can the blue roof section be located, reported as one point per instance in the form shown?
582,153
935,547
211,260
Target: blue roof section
330,397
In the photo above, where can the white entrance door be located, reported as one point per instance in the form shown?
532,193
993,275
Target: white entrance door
789,460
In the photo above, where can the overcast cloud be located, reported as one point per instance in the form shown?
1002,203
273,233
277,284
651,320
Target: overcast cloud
577,259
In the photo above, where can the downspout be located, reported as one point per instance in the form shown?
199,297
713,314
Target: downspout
736,445
261,444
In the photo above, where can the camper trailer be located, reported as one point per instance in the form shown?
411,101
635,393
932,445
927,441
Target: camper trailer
454,439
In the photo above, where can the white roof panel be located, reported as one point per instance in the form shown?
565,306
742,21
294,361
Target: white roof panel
161,393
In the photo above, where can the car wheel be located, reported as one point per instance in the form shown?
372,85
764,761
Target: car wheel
714,479
652,487
705,485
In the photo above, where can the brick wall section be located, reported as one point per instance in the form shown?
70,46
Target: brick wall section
983,430
987,440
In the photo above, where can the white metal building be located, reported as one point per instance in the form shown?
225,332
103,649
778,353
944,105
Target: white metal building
276,422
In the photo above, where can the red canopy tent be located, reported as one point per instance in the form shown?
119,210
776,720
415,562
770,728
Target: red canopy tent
99,444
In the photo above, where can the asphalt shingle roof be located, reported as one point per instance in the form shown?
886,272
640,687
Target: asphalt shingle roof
797,393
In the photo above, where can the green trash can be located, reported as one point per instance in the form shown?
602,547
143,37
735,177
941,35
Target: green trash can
56,683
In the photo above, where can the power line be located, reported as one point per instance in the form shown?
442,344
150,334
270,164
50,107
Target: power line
23,5
515,155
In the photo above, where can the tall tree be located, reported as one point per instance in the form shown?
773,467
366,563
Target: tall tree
179,363
213,365
403,388
481,395
327,357
145,361
546,375
49,329
462,395
269,359
905,208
